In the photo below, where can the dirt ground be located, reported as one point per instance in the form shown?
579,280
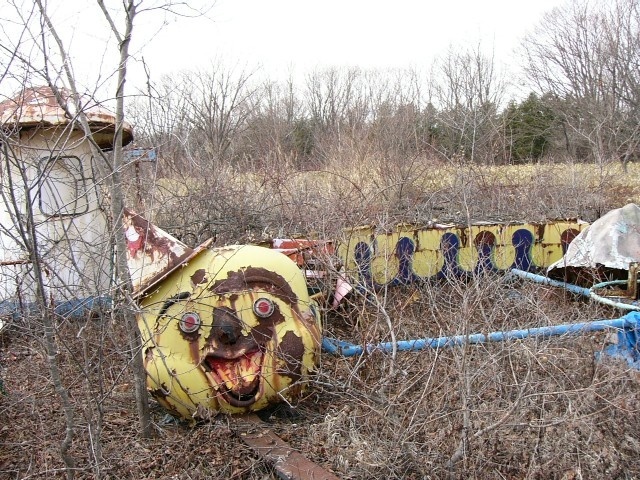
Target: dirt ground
536,408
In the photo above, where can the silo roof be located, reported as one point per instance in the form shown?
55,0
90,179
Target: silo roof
38,106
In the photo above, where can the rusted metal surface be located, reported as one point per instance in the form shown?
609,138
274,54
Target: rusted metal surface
39,107
319,261
410,253
230,329
288,462
152,253
312,256
632,281
624,290
9,263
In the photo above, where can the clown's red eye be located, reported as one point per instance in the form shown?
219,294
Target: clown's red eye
190,322
263,307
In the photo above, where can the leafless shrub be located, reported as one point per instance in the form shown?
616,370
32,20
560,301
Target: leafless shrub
534,408
488,410
353,148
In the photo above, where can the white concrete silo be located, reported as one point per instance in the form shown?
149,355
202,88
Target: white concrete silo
47,161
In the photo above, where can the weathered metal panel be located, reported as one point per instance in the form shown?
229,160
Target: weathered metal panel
152,253
71,227
410,253
230,329
612,241
39,107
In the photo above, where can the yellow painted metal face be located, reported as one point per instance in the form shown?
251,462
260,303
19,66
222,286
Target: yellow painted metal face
233,330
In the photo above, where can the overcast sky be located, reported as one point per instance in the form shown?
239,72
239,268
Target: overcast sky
293,36
302,35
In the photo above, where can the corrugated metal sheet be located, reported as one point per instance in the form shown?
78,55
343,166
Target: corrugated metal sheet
39,107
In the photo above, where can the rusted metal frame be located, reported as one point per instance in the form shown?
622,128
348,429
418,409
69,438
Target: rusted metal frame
305,252
632,282
631,292
288,462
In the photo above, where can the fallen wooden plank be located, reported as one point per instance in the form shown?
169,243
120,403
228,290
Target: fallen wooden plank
288,462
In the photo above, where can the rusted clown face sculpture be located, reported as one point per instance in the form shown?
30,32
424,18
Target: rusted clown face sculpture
231,330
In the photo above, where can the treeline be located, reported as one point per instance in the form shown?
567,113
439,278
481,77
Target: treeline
581,65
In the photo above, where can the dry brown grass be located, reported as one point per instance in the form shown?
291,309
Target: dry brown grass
537,408
525,409
238,205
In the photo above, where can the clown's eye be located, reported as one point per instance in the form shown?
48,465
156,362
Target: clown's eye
190,322
263,307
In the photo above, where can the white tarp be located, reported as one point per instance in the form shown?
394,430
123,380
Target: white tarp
612,241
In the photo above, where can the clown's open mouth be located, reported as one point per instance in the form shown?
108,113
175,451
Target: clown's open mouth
238,380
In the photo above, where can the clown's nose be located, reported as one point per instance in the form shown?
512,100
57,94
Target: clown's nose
227,328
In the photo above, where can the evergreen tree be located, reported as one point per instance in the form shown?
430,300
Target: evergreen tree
528,128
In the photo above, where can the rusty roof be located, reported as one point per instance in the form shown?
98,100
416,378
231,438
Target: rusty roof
38,106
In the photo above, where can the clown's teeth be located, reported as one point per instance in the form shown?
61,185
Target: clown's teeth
251,365
238,373
225,377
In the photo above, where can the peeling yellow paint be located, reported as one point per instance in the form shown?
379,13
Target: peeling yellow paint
233,360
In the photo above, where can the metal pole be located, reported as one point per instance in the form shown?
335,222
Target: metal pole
548,281
628,322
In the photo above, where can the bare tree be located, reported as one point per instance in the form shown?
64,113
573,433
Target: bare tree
337,107
220,100
161,119
111,170
41,56
329,96
17,179
587,55
469,91
117,213
364,111
399,109
277,127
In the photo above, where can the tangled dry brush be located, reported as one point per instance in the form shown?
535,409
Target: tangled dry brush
542,408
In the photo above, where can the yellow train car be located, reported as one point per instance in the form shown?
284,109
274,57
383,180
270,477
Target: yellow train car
410,253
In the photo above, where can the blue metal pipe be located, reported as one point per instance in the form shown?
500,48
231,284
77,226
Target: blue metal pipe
608,301
629,322
75,309
628,326
548,281
587,292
